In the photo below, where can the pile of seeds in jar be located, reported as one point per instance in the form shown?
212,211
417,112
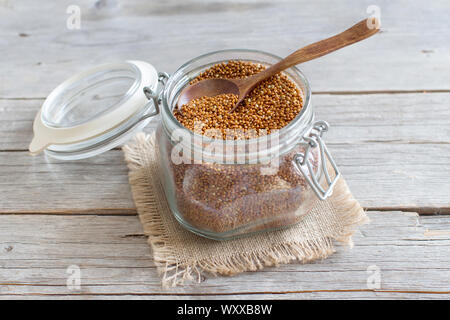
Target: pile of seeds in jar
271,105
222,198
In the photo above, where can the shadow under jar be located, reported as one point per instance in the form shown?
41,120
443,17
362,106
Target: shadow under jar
223,189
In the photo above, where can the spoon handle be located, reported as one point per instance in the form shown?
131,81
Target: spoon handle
358,32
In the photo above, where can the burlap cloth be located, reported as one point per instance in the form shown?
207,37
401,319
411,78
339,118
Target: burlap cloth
181,255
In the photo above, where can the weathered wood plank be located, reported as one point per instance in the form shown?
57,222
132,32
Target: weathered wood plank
114,258
420,118
405,176
382,176
16,123
38,50
41,185
361,118
341,295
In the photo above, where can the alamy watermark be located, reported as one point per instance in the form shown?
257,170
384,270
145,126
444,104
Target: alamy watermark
374,278
374,20
73,22
233,146
74,279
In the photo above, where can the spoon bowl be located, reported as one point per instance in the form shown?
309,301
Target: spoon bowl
208,88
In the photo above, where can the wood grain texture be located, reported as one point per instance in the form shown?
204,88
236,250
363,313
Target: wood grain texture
44,185
306,295
38,51
381,176
393,149
393,146
115,260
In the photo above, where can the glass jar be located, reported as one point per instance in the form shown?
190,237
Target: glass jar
219,189
242,186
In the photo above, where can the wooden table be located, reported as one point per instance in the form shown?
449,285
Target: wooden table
387,100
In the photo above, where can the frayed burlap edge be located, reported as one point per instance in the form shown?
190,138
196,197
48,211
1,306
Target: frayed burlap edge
147,192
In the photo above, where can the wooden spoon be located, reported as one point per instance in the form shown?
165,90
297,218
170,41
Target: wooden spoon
241,87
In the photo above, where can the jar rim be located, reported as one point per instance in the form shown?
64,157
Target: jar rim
305,115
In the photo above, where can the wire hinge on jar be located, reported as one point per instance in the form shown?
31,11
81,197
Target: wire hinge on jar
155,95
313,139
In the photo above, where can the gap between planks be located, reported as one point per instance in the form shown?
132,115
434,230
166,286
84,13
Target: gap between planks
313,92
442,211
133,211
228,293
330,144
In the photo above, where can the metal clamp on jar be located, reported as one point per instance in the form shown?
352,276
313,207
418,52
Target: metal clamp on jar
313,140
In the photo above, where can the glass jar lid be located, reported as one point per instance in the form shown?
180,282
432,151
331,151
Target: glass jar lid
93,103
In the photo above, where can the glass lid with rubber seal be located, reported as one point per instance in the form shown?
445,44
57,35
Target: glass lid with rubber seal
96,110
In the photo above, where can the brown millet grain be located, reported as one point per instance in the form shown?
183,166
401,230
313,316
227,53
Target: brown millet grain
271,105
238,199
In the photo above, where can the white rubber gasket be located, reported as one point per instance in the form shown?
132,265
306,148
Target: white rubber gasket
45,135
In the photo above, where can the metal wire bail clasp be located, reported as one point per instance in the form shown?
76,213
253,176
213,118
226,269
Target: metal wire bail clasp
154,96
313,139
